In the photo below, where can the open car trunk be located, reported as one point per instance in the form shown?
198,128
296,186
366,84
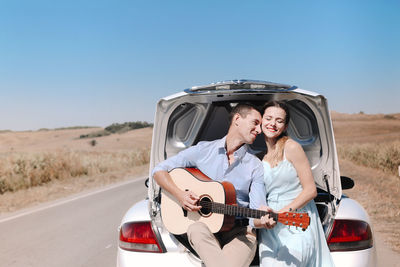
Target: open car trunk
201,114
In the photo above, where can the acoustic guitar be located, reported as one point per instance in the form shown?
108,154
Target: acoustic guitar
218,202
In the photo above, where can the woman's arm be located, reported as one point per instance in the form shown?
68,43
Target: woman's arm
295,154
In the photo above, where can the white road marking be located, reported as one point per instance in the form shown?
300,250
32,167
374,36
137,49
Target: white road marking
58,203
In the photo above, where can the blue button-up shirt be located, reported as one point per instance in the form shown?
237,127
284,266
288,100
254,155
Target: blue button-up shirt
246,173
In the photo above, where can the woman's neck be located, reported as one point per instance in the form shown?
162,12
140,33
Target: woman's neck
271,143
275,148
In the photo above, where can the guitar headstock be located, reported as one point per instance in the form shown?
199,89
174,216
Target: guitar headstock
297,219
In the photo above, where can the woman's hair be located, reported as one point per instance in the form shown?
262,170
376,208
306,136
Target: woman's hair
277,155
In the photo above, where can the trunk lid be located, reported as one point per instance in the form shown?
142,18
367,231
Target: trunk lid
201,114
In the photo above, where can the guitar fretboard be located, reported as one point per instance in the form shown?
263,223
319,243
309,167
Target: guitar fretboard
236,210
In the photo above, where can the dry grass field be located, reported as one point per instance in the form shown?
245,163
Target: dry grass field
42,165
369,152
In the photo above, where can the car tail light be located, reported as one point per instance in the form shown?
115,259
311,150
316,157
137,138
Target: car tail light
350,235
139,236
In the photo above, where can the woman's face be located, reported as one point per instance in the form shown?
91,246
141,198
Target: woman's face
273,122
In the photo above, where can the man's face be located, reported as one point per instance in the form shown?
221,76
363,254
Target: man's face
249,126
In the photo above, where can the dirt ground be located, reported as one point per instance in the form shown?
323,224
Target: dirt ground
53,140
380,201
39,141
365,128
375,190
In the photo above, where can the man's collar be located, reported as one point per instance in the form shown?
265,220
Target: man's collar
239,153
221,145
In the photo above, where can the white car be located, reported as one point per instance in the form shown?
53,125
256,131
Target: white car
201,113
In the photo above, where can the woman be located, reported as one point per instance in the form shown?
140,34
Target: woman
289,185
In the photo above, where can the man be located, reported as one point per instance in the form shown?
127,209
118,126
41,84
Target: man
226,159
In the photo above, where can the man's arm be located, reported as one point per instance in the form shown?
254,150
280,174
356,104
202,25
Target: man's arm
185,158
187,199
258,197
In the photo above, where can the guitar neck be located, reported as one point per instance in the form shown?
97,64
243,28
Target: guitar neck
239,211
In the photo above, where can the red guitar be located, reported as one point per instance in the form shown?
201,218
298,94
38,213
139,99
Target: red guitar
218,202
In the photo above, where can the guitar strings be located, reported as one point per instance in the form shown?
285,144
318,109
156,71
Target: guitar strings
251,213
232,210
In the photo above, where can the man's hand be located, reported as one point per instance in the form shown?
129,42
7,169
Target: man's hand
189,200
266,221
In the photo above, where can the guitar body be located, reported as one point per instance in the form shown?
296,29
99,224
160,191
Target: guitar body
218,202
177,220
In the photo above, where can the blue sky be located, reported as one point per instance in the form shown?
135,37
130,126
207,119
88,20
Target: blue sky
68,63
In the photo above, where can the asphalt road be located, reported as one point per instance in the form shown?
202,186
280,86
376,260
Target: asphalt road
76,231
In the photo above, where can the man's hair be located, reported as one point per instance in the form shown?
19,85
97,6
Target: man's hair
243,109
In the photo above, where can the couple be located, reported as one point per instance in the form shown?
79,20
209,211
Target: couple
283,180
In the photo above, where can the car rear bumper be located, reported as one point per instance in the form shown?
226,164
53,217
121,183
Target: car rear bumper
130,258
365,258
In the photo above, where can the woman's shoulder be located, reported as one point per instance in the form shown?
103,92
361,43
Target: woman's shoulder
292,148
291,144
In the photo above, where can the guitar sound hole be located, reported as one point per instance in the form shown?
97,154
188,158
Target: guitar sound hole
205,203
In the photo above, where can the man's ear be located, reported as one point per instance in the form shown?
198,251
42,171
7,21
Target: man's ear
236,117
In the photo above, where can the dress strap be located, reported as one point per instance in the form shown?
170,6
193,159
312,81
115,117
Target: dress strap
284,153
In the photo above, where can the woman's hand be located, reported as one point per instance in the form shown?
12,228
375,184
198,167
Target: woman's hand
285,209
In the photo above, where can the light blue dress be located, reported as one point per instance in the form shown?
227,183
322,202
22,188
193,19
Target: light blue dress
284,245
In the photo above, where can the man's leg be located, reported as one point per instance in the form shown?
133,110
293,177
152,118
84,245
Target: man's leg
239,249
241,246
205,244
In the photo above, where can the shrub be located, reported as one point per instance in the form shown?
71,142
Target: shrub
127,126
389,117
385,157
95,134
118,128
